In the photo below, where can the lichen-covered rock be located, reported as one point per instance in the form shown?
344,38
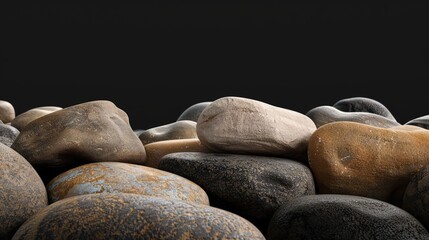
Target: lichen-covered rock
422,122
363,104
416,197
177,130
113,177
7,111
22,193
8,134
241,125
250,186
25,118
338,217
132,216
193,112
95,131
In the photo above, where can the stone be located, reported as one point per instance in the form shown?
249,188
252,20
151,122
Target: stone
155,151
177,130
327,114
422,122
114,177
338,217
138,131
357,159
193,112
94,131
363,104
22,193
25,118
7,112
8,134
416,197
250,186
133,216
246,126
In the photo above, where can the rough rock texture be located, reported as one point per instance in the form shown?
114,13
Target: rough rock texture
416,197
25,118
240,125
132,216
95,131
357,159
22,193
193,112
327,114
8,134
155,151
177,130
7,112
338,217
113,177
250,186
363,104
422,122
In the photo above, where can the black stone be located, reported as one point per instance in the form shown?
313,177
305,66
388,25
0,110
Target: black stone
362,104
193,112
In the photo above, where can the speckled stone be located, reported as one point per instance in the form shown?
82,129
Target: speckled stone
25,118
339,217
193,112
357,159
113,177
422,122
250,186
22,193
363,104
177,130
8,134
155,151
132,216
246,126
94,131
416,197
7,111
327,114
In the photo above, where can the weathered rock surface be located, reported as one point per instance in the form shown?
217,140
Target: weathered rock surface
25,118
363,104
177,130
193,112
8,134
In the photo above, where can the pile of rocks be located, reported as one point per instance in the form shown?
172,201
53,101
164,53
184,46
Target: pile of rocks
234,168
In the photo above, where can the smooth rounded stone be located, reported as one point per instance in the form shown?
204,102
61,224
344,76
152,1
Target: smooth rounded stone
25,118
338,217
241,125
193,112
357,159
22,193
422,122
177,130
363,104
113,177
416,197
155,151
326,114
7,111
138,131
94,131
132,216
250,186
8,134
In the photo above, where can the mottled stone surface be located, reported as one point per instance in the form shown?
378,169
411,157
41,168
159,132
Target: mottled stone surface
363,104
357,159
155,151
25,118
339,217
8,134
251,186
416,197
95,131
113,177
327,114
132,216
422,122
193,112
22,193
241,125
7,111
177,130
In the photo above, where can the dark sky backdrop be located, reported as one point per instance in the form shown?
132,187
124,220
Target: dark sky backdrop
297,57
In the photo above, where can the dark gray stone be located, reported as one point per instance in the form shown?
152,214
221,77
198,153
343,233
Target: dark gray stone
8,134
422,122
362,104
250,186
138,131
332,217
326,114
193,112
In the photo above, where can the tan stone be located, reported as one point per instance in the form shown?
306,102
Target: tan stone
7,112
25,118
178,130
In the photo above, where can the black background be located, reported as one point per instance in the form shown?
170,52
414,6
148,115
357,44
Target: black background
155,60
